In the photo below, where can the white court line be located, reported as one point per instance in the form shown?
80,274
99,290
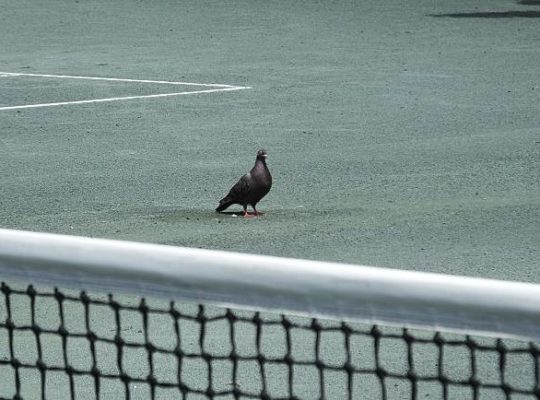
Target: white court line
63,103
217,88
98,78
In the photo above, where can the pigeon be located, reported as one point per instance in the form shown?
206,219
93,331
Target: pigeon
251,188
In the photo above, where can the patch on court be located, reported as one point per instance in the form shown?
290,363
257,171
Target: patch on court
21,90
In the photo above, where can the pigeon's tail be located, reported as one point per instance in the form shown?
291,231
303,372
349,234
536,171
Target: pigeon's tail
223,204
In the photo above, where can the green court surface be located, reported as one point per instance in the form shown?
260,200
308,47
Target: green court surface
400,134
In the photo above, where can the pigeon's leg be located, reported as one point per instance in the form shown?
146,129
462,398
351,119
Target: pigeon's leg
257,213
246,213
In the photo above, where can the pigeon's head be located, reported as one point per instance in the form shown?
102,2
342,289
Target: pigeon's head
262,155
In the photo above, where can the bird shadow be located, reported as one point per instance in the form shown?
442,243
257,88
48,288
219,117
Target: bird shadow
228,212
176,215
491,14
239,213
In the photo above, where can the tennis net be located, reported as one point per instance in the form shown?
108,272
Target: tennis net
99,319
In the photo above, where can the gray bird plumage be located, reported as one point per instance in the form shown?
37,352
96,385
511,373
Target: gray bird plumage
251,188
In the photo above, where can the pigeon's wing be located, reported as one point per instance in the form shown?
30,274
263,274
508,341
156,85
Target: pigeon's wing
241,189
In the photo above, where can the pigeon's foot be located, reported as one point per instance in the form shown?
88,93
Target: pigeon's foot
248,214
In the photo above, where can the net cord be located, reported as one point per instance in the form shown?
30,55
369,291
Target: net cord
372,295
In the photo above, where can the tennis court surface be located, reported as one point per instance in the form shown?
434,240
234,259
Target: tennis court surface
399,135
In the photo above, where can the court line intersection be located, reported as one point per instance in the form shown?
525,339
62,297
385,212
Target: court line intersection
211,88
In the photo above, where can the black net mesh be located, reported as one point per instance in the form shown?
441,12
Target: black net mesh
68,345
